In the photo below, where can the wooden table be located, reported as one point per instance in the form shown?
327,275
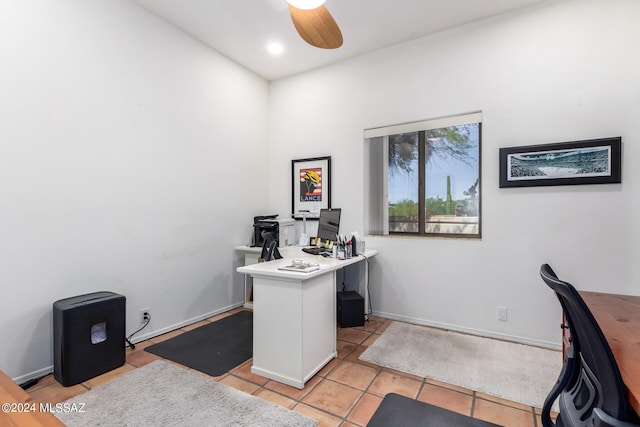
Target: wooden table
19,409
619,319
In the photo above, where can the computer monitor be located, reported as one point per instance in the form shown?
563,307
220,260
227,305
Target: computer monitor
328,225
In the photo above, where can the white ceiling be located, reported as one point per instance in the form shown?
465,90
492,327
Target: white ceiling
241,29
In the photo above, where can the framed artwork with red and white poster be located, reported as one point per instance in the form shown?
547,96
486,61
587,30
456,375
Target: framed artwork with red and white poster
310,186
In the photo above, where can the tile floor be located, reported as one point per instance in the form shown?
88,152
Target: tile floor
344,393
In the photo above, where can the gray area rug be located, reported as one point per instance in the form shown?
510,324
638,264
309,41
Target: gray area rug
162,394
515,372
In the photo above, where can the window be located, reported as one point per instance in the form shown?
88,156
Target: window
424,177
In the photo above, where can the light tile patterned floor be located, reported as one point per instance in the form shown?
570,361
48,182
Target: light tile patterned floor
344,393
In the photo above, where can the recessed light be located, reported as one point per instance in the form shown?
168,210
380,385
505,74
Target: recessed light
306,4
275,48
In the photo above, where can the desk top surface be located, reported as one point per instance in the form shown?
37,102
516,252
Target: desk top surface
619,319
270,269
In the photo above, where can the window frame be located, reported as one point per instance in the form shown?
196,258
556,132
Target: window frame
377,176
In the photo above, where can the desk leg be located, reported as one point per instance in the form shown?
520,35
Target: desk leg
249,259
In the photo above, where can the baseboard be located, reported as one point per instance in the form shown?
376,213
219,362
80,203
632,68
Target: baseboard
471,331
35,375
184,323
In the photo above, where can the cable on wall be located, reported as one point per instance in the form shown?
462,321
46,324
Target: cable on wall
369,309
147,318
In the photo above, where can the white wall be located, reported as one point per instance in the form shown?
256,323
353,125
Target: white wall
561,71
128,154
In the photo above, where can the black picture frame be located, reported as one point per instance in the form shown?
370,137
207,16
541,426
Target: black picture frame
310,186
594,161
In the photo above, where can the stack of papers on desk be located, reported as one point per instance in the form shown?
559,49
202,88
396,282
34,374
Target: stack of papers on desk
301,267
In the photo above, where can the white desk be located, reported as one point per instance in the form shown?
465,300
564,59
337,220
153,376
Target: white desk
294,316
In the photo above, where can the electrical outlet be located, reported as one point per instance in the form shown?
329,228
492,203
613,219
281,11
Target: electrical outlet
145,314
502,313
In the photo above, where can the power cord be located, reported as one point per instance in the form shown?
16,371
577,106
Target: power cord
370,308
31,382
147,318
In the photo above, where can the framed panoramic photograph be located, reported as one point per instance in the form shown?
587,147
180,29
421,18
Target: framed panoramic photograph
594,161
310,186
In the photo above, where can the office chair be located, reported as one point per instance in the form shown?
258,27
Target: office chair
269,248
590,387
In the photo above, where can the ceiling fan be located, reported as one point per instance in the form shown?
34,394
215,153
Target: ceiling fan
315,24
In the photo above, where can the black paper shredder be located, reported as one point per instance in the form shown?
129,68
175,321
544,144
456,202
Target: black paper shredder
88,336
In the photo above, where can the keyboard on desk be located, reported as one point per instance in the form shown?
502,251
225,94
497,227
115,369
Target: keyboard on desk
313,250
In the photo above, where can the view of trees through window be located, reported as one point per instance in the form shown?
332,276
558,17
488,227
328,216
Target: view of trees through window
435,175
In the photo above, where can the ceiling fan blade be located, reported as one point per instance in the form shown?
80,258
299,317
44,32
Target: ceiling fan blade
317,27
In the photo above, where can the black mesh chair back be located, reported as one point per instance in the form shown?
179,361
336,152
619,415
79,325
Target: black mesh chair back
590,387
